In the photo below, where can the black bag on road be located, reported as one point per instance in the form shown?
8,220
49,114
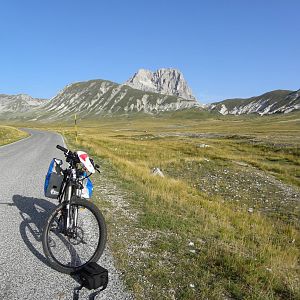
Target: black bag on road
92,276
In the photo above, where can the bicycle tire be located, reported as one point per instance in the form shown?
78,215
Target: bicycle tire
47,239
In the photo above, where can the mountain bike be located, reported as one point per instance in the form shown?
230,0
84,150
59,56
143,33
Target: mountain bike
75,232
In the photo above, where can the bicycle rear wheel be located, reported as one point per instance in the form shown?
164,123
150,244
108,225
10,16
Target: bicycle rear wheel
84,241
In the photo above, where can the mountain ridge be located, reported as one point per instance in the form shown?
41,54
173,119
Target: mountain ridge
277,101
19,103
98,97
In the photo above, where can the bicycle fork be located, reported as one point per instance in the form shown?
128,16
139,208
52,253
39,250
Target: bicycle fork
71,214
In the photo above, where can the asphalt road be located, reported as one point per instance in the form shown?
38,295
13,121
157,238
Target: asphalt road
24,273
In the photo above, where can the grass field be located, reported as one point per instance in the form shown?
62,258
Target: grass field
10,134
223,222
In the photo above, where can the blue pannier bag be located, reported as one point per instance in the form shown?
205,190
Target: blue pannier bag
53,180
87,190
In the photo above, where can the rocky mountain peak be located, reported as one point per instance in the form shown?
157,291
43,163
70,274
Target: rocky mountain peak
164,81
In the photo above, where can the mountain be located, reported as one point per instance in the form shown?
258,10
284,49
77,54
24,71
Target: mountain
94,98
97,97
278,101
163,81
12,104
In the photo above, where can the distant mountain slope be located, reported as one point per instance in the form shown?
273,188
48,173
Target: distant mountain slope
279,101
18,103
96,97
163,81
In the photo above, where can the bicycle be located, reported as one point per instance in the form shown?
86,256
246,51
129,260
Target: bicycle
75,232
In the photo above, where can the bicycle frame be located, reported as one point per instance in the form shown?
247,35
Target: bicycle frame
72,186
68,189
68,243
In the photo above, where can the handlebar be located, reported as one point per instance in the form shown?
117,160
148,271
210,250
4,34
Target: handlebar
73,159
97,167
62,148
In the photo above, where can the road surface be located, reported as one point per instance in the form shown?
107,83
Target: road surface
24,273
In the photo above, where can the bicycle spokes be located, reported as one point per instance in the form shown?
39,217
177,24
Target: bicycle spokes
75,245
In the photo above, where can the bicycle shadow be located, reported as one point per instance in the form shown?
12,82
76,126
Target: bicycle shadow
34,213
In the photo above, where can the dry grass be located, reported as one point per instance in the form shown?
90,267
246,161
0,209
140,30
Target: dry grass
201,245
10,134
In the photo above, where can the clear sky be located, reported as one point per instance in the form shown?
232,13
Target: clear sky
225,48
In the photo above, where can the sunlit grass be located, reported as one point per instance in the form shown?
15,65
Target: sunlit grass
236,253
10,134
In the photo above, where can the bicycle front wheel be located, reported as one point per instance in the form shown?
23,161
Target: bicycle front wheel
68,249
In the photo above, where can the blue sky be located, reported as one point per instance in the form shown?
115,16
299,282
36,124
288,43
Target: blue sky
225,48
